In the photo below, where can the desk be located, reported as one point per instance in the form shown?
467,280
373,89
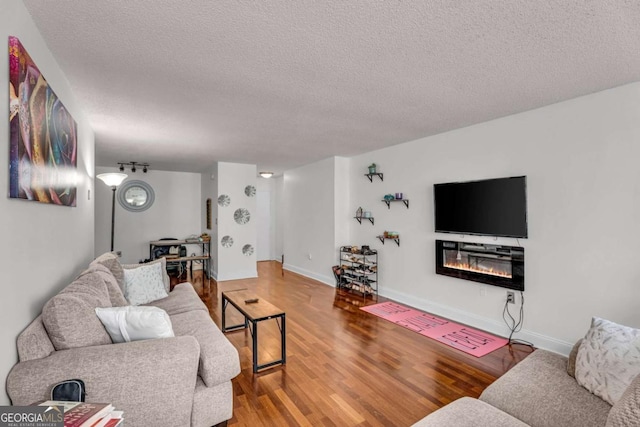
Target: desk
205,257
254,313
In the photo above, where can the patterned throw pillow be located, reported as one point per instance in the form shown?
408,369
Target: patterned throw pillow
144,284
162,262
608,359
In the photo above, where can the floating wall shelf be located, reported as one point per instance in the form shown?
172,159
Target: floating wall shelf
395,239
360,218
388,202
371,175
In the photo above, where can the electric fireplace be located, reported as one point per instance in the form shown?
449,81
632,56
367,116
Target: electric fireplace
496,265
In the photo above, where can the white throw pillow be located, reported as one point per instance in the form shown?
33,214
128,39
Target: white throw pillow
608,359
125,324
144,284
165,277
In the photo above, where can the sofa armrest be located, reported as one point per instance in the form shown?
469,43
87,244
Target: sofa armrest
152,381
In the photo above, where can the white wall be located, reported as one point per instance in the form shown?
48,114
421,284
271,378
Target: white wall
581,162
309,212
176,212
232,263
266,227
44,246
279,210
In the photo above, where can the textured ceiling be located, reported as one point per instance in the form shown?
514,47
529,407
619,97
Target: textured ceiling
183,84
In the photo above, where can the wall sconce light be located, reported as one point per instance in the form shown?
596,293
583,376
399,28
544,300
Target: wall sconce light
266,174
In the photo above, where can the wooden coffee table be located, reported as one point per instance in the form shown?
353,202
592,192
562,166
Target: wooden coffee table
254,313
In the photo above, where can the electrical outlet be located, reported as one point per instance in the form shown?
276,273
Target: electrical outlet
309,256
511,297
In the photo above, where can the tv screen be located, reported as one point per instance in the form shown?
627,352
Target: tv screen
491,207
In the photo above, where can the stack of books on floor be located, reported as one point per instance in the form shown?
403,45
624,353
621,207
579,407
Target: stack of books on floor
84,414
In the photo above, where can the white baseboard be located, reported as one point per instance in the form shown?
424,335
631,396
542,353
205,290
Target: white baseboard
490,325
327,280
236,275
480,322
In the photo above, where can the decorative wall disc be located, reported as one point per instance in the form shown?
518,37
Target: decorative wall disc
247,250
227,241
250,190
242,216
224,200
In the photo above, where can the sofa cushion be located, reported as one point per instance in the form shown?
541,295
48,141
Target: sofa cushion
110,261
608,359
130,323
626,411
144,284
212,405
115,292
469,412
539,392
219,361
34,342
163,267
70,317
182,298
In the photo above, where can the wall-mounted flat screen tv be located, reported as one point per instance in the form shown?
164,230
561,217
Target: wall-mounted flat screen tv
491,207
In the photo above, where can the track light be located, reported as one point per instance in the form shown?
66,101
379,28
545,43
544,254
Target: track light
134,166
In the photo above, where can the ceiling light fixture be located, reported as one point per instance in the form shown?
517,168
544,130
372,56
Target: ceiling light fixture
134,166
266,174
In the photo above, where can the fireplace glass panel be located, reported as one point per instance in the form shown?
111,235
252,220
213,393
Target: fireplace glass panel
492,264
483,264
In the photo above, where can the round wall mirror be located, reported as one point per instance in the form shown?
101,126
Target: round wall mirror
135,196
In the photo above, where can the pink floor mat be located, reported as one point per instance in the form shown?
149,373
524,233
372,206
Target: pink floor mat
472,341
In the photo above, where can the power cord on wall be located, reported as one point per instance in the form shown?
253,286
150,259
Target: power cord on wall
513,325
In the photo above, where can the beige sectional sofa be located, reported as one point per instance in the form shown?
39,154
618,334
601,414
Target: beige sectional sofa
539,392
178,381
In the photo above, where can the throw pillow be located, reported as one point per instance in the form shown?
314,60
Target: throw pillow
125,324
144,284
163,267
115,291
608,359
110,260
69,317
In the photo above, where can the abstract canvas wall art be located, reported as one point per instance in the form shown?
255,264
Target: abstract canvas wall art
43,145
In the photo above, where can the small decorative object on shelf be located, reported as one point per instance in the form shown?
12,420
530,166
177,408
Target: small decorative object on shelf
366,215
372,173
388,198
390,235
358,270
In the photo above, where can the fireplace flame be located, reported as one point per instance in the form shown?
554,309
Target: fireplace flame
466,267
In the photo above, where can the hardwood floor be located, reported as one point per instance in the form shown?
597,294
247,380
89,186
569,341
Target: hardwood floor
345,367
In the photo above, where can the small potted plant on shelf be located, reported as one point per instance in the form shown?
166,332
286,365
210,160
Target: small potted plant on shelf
372,168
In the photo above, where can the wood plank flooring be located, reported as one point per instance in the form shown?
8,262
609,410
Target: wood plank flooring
345,367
